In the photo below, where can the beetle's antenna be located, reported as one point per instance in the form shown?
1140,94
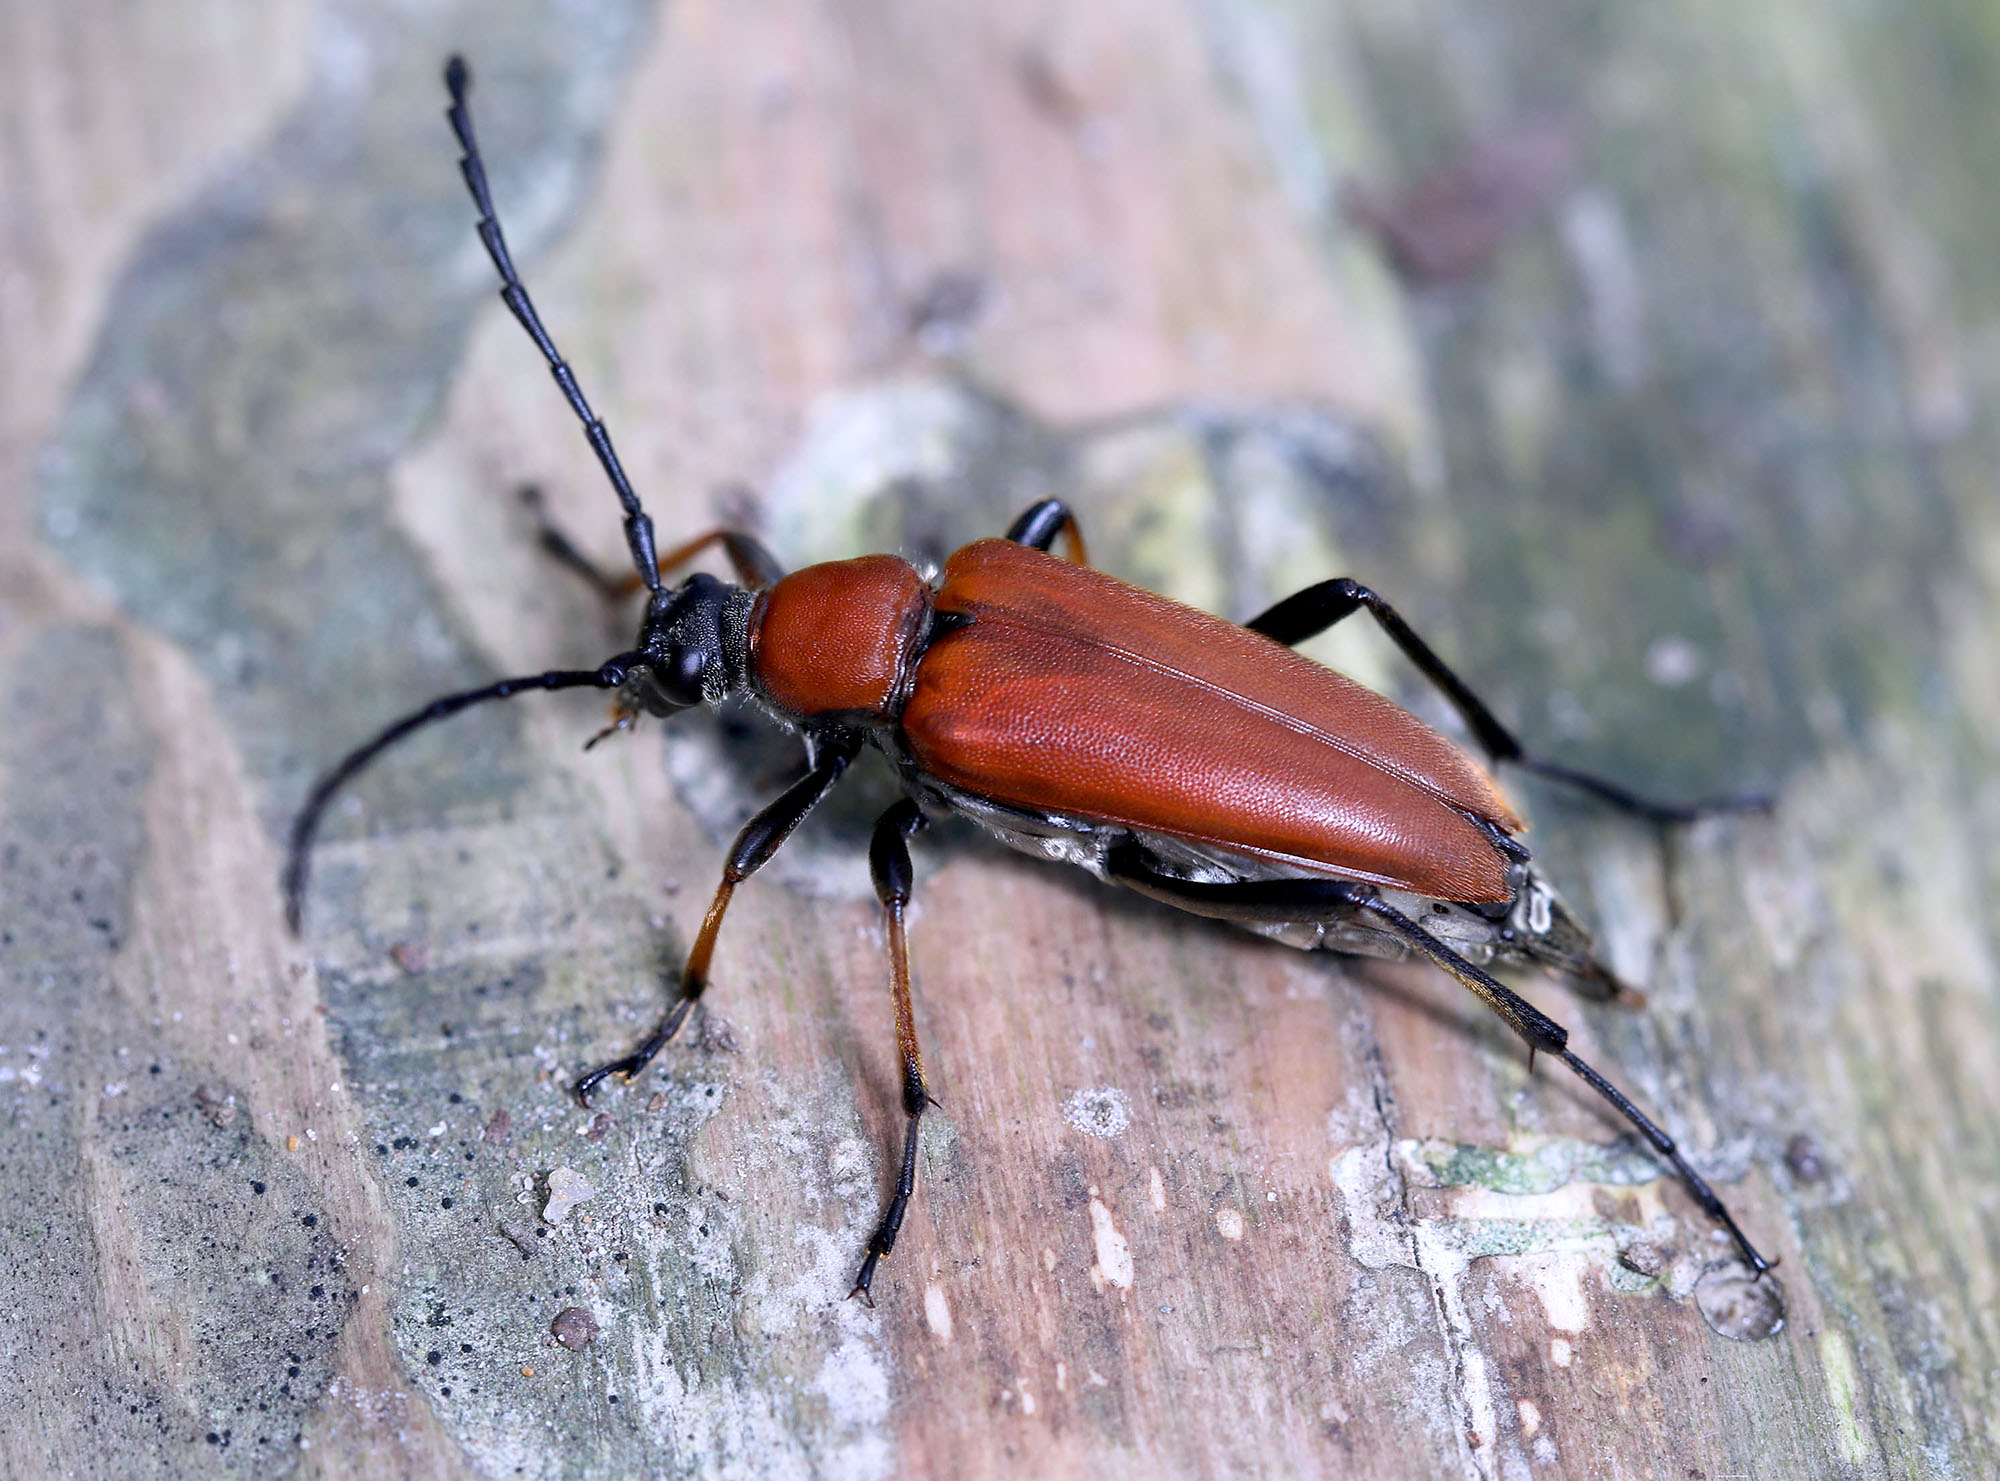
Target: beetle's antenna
298,857
638,527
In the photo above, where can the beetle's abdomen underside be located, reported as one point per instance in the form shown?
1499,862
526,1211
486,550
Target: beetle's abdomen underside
1071,691
837,638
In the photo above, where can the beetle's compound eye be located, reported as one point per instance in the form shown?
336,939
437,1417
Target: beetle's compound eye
681,676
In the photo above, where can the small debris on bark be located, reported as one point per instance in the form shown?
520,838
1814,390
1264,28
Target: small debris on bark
1643,1257
521,1237
1739,1304
412,956
574,1328
600,1127
498,1129
717,1036
1451,225
220,1110
1805,1160
566,1190
945,309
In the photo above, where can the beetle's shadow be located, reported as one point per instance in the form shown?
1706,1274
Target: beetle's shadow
1376,978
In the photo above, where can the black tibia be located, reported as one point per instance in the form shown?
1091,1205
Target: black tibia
638,527
1254,902
1310,612
549,535
761,837
889,862
298,859
752,562
1040,523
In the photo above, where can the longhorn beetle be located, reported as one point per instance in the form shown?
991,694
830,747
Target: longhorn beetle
1079,719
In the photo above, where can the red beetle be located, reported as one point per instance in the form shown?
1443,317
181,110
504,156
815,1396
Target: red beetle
1085,720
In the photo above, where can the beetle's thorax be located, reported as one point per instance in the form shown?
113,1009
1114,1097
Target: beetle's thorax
840,640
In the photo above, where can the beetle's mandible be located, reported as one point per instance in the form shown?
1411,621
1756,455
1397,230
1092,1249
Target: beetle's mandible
1084,720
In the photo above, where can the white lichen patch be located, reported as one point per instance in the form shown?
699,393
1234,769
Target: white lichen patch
1445,1263
1375,1239
1229,1224
1101,1112
787,1341
1552,1239
937,1312
1559,1281
1842,1385
739,1431
854,1384
1114,1255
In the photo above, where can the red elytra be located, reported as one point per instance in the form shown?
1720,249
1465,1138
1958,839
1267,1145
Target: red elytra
1083,719
1071,691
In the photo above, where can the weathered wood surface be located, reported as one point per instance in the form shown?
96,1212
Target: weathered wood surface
1690,468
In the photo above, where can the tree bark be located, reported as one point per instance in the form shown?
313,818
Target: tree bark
1636,354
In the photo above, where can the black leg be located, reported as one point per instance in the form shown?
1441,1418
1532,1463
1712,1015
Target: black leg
557,545
638,527
1312,611
889,862
761,837
1315,899
1042,522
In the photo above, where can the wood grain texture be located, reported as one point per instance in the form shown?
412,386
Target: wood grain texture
1689,471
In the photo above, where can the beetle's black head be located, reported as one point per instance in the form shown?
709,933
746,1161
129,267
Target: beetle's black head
695,646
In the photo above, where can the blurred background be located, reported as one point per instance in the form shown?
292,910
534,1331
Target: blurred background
1645,357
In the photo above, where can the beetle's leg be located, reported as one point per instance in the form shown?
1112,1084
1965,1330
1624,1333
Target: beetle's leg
749,557
1281,900
889,862
761,837
1310,612
1041,522
558,545
752,561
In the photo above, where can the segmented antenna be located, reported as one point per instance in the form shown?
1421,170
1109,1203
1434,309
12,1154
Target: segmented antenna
638,527
298,858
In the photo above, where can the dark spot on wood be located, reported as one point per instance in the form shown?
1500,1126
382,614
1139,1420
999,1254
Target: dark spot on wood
574,1328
